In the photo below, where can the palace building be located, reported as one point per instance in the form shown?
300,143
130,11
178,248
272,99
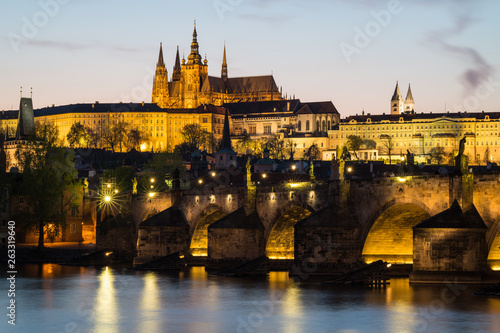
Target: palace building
190,85
405,130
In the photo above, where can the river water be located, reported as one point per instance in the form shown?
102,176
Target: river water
54,298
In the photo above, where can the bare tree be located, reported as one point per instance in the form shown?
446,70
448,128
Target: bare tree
387,146
438,154
115,134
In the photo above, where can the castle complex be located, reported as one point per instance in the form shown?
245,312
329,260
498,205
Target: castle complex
191,86
258,110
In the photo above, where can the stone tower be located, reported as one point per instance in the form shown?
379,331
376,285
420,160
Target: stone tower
409,102
160,82
397,104
193,74
26,120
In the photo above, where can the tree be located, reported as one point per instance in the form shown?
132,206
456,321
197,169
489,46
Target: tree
115,134
437,154
48,182
161,168
312,152
370,144
94,137
122,175
345,155
136,138
195,136
78,136
48,132
387,146
243,146
354,143
486,157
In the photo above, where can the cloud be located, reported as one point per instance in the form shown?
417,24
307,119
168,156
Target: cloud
479,70
71,46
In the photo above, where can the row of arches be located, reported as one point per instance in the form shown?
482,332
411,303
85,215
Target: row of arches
388,237
321,126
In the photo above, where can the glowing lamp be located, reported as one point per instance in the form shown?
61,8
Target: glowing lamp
213,174
200,181
151,194
107,198
349,169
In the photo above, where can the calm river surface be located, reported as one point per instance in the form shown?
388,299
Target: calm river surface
53,298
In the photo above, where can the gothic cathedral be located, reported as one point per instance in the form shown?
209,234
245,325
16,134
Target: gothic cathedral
191,86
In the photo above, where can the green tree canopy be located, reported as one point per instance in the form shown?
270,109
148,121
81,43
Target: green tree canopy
354,143
195,137
78,136
48,185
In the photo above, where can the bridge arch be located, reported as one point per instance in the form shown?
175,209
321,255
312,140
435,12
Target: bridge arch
280,234
199,235
389,233
494,247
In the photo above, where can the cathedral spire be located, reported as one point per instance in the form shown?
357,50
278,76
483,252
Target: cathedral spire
160,62
194,57
177,67
160,82
224,65
226,134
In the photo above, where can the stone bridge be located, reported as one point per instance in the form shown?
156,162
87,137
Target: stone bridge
384,209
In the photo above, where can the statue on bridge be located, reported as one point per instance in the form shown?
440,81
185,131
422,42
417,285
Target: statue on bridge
461,149
134,186
249,171
86,186
462,160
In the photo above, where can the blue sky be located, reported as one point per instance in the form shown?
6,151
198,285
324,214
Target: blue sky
74,51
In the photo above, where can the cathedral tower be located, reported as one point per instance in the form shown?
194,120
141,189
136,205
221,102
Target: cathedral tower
160,82
224,66
192,75
409,102
397,104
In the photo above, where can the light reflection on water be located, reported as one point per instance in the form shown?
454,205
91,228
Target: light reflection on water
53,298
